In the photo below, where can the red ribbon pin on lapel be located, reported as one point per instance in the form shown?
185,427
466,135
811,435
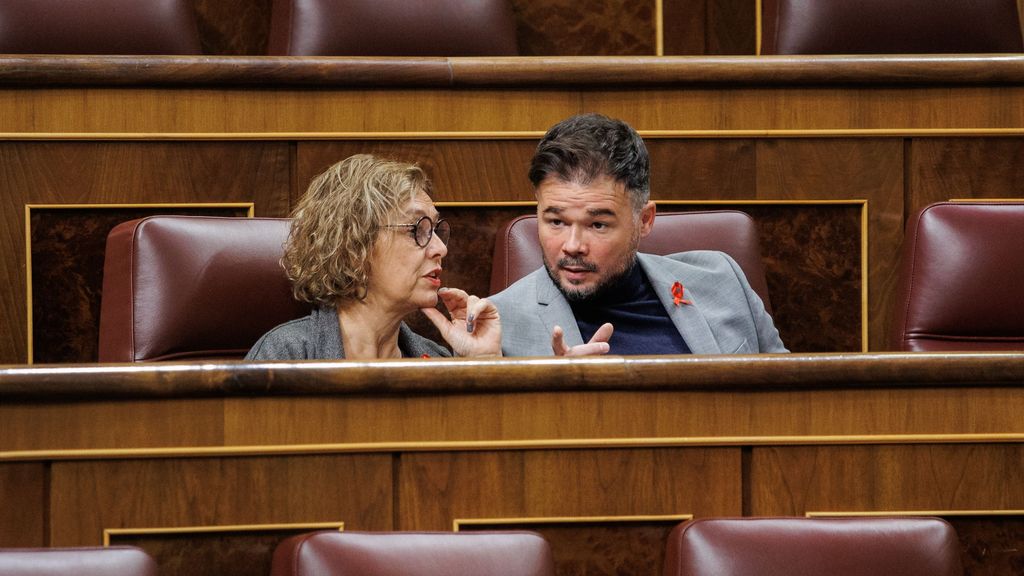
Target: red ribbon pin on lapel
677,294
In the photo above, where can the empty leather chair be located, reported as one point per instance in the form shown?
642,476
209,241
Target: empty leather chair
392,28
889,27
193,287
961,279
517,250
119,560
332,553
813,547
98,27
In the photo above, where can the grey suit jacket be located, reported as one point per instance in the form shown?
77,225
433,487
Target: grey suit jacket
725,317
318,337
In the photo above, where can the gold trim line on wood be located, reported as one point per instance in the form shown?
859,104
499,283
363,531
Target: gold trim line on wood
250,212
515,135
757,27
659,27
874,513
864,286
459,522
501,445
108,532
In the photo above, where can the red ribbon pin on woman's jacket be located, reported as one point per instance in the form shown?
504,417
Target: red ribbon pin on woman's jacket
677,294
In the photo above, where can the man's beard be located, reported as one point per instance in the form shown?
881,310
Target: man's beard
595,292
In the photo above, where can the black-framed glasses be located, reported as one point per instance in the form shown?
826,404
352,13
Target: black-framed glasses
425,228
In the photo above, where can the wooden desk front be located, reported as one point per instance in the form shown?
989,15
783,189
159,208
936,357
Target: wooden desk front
207,466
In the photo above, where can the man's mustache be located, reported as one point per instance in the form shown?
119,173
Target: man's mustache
577,262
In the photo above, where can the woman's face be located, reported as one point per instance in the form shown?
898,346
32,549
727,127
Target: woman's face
404,276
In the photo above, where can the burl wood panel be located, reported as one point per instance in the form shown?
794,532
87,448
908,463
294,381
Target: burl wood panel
23,494
91,496
584,27
233,27
992,545
438,488
600,548
67,275
235,553
698,27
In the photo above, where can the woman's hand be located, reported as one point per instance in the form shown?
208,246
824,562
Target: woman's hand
474,328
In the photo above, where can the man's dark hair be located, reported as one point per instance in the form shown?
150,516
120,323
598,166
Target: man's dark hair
585,147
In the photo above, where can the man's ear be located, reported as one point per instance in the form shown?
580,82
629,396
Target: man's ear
647,218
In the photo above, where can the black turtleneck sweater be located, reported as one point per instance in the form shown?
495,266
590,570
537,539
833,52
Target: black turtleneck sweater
642,325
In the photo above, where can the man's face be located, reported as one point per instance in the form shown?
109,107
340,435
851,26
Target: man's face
588,233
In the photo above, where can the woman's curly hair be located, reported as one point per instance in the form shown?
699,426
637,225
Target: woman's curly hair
336,223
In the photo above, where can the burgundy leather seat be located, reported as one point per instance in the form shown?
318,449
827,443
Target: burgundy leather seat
98,27
813,547
413,554
517,250
889,27
392,28
192,287
961,280
120,560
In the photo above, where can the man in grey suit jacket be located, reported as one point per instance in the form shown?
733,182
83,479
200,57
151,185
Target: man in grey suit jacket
595,294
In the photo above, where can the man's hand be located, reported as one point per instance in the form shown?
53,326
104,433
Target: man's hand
597,345
474,328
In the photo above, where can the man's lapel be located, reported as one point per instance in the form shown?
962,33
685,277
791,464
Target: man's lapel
688,319
554,310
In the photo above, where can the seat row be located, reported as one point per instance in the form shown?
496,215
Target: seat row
487,27
904,546
200,288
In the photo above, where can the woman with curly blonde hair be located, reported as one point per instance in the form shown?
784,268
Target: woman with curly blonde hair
365,248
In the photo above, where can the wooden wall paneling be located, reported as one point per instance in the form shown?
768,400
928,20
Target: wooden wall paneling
439,488
112,424
828,107
870,169
991,544
24,490
699,169
581,416
284,111
91,496
799,479
15,192
463,170
940,169
584,28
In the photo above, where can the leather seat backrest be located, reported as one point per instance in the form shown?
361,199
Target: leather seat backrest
392,28
961,279
193,287
869,546
93,561
98,27
889,26
414,554
517,249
